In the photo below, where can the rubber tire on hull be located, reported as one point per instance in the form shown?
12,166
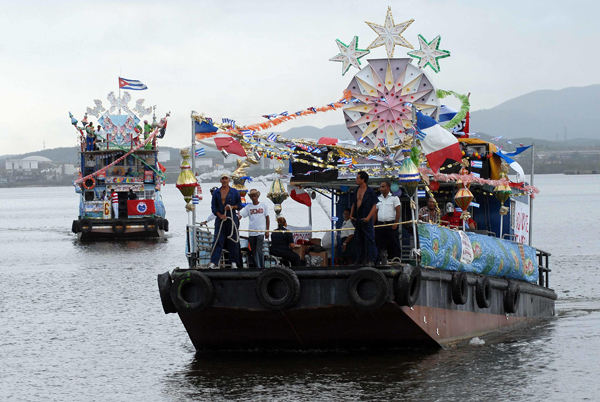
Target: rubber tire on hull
166,225
379,291
483,293
164,288
85,226
160,223
278,288
75,227
460,288
119,227
192,291
408,286
150,225
512,297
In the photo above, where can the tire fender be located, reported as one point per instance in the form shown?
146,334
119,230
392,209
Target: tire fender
278,288
512,297
164,288
119,227
483,292
150,225
192,291
460,288
408,286
368,289
85,226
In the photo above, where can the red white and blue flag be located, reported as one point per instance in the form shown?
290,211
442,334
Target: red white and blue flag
140,207
438,143
299,195
133,85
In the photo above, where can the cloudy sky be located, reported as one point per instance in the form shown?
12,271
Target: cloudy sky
243,59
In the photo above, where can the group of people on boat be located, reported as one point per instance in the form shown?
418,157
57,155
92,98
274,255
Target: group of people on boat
95,138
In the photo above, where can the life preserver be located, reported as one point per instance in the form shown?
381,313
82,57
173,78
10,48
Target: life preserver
483,292
164,288
408,286
119,227
85,226
460,288
278,288
89,183
512,297
150,225
192,291
368,289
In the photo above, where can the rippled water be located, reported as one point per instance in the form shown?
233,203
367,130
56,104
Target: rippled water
83,322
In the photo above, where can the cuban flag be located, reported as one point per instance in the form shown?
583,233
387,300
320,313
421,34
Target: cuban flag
497,138
477,164
299,195
204,129
272,137
140,207
438,144
519,149
133,85
200,152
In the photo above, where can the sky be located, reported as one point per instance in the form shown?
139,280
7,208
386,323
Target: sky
244,59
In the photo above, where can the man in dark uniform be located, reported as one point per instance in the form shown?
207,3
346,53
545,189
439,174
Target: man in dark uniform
225,202
364,207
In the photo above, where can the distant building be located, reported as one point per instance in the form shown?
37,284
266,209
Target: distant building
164,156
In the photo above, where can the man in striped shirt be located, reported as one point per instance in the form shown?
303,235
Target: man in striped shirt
114,196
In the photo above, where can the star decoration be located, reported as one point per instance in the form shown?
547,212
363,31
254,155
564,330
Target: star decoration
349,54
390,34
429,53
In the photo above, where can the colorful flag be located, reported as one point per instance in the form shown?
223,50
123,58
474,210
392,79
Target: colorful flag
299,195
225,142
518,150
162,168
204,130
438,144
133,85
421,193
508,141
477,164
140,207
514,165
200,152
497,138
272,137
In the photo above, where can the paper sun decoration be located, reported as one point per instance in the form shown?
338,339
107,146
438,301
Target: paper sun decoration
390,34
382,91
429,53
349,54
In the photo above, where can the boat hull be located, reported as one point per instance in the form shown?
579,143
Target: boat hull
112,229
325,318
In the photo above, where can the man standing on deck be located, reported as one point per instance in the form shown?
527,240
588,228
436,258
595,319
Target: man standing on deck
114,196
364,206
225,202
388,212
258,213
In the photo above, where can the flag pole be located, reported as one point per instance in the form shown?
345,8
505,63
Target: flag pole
416,195
193,151
530,196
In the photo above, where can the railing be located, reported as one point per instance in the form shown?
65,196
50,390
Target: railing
543,269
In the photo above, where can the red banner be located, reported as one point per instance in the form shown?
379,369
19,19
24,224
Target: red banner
140,207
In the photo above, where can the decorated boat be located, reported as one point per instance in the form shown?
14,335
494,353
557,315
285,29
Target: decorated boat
472,272
120,176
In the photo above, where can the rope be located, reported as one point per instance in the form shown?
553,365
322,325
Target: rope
309,231
234,229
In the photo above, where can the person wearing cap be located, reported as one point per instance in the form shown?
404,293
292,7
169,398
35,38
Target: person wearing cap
258,214
452,218
225,202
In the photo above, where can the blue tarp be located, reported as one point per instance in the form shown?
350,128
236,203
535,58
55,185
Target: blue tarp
442,248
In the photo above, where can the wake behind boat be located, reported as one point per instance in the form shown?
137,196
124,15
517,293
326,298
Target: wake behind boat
120,176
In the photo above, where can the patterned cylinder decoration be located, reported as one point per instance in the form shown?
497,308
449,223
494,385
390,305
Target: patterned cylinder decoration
463,198
409,176
186,182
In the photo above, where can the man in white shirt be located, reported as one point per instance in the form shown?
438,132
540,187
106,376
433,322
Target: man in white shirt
388,212
258,213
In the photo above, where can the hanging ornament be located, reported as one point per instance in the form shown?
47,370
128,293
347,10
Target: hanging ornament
503,191
434,186
186,182
84,121
463,199
277,193
429,54
349,54
73,119
389,34
409,176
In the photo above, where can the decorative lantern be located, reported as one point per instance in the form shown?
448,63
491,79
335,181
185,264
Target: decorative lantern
408,175
239,177
277,193
186,182
463,198
73,119
503,191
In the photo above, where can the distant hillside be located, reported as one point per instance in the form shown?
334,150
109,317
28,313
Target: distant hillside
544,115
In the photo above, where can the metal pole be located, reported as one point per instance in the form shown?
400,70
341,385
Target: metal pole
310,215
332,227
416,196
530,197
193,151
